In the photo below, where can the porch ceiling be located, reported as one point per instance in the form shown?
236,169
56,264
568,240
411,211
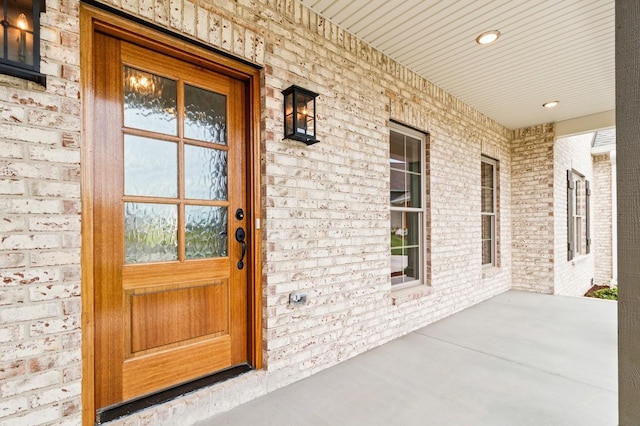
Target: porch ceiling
548,50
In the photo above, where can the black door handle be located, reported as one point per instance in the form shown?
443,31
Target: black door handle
240,236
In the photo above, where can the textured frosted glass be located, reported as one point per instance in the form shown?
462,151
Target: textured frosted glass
150,167
150,102
205,115
150,232
205,173
206,232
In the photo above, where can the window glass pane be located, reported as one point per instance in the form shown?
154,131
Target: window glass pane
397,158
150,167
413,155
487,253
150,102
399,193
487,238
205,173
405,246
487,200
150,232
398,232
415,190
205,115
405,267
206,231
487,221
580,192
579,236
487,175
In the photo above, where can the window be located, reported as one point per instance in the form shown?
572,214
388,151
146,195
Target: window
407,177
578,232
488,210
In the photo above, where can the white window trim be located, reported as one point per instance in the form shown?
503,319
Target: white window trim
421,279
494,215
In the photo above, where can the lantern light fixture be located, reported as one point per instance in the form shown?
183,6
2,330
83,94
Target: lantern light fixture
20,39
300,114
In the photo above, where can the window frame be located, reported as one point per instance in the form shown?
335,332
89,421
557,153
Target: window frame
421,211
493,214
578,215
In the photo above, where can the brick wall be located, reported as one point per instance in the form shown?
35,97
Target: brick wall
40,356
532,179
326,213
572,278
602,224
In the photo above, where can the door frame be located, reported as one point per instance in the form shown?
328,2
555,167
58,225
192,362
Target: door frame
94,19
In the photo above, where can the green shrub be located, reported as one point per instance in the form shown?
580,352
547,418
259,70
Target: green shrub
606,293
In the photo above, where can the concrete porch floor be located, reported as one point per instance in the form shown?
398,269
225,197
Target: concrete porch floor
516,359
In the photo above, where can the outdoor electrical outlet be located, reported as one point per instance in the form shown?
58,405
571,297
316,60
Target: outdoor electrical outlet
298,298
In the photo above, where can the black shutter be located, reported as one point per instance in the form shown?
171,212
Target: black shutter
587,216
571,250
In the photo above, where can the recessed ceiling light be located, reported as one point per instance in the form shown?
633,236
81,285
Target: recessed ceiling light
550,104
488,37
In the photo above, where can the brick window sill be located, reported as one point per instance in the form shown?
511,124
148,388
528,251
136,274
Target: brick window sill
490,272
400,297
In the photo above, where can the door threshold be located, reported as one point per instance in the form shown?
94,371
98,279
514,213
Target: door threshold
125,408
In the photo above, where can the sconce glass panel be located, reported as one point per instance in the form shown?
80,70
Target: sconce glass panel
20,39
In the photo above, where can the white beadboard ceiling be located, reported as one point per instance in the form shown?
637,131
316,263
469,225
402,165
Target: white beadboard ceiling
548,50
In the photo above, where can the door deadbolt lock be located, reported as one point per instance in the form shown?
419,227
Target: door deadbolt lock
239,214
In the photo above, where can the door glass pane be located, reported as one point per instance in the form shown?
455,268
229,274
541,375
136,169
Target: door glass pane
150,232
150,167
150,102
205,115
206,231
205,172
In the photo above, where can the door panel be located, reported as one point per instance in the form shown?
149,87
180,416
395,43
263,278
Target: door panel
169,162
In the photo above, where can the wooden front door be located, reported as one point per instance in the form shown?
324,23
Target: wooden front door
169,220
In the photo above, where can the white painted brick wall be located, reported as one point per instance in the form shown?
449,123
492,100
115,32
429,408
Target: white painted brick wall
602,224
326,212
571,278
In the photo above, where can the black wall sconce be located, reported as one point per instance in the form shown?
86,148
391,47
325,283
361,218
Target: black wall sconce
20,37
300,115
